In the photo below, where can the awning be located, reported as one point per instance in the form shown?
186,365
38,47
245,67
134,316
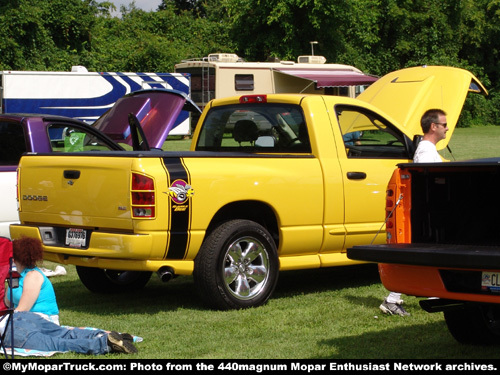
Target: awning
331,78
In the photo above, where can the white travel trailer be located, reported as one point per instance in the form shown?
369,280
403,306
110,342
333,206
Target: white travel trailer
221,75
81,94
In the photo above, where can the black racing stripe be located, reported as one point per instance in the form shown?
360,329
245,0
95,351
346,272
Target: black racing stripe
180,213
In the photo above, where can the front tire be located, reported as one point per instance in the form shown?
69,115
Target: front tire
99,280
237,266
478,324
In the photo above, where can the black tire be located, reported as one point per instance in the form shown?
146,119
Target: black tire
476,324
237,266
99,280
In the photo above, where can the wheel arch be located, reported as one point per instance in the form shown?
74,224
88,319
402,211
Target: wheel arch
257,211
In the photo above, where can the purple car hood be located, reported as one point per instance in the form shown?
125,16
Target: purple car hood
157,110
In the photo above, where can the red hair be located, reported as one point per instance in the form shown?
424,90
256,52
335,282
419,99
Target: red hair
27,251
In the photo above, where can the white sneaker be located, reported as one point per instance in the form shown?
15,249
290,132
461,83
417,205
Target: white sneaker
393,308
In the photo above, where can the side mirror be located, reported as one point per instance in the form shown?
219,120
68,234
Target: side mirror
416,140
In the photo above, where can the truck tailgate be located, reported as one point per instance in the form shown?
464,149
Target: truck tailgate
75,191
434,255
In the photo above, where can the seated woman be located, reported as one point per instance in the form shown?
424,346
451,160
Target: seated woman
31,331
35,292
36,314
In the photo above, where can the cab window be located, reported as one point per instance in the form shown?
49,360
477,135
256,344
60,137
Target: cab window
367,135
255,128
72,138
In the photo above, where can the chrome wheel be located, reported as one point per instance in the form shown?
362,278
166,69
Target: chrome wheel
246,268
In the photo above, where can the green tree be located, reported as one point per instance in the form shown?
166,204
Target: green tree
44,35
375,35
196,7
154,41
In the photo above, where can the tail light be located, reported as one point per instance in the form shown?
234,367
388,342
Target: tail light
398,208
389,205
143,196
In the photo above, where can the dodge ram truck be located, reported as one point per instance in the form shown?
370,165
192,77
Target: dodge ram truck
269,184
443,241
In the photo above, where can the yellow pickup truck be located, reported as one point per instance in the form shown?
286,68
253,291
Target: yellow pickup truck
272,182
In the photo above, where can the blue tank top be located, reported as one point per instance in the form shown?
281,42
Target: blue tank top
46,302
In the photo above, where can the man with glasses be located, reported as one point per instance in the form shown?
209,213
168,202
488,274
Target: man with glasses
434,126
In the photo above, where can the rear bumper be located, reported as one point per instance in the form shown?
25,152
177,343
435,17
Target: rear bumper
179,267
446,283
119,251
447,272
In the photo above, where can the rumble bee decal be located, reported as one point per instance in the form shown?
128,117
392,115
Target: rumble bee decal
180,191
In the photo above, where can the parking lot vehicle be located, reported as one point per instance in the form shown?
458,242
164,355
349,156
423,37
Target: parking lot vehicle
81,94
268,185
442,241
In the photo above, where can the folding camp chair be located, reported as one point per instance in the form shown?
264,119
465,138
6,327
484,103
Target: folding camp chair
7,274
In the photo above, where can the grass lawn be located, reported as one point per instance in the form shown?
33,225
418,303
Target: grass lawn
314,314
472,143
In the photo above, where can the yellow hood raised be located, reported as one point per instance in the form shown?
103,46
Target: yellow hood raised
406,94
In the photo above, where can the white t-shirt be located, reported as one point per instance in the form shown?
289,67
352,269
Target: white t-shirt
426,153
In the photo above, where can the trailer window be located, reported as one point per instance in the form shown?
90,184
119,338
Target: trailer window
255,128
243,82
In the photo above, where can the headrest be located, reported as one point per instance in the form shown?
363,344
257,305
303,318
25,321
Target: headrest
245,131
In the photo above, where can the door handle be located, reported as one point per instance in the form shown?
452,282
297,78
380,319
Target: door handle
356,175
71,174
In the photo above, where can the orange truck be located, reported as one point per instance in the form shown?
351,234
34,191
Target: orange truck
443,241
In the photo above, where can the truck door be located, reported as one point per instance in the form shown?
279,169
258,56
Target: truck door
369,147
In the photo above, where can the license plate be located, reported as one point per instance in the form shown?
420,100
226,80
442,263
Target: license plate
76,237
490,281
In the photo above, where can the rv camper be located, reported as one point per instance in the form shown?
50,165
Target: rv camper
221,75
81,94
